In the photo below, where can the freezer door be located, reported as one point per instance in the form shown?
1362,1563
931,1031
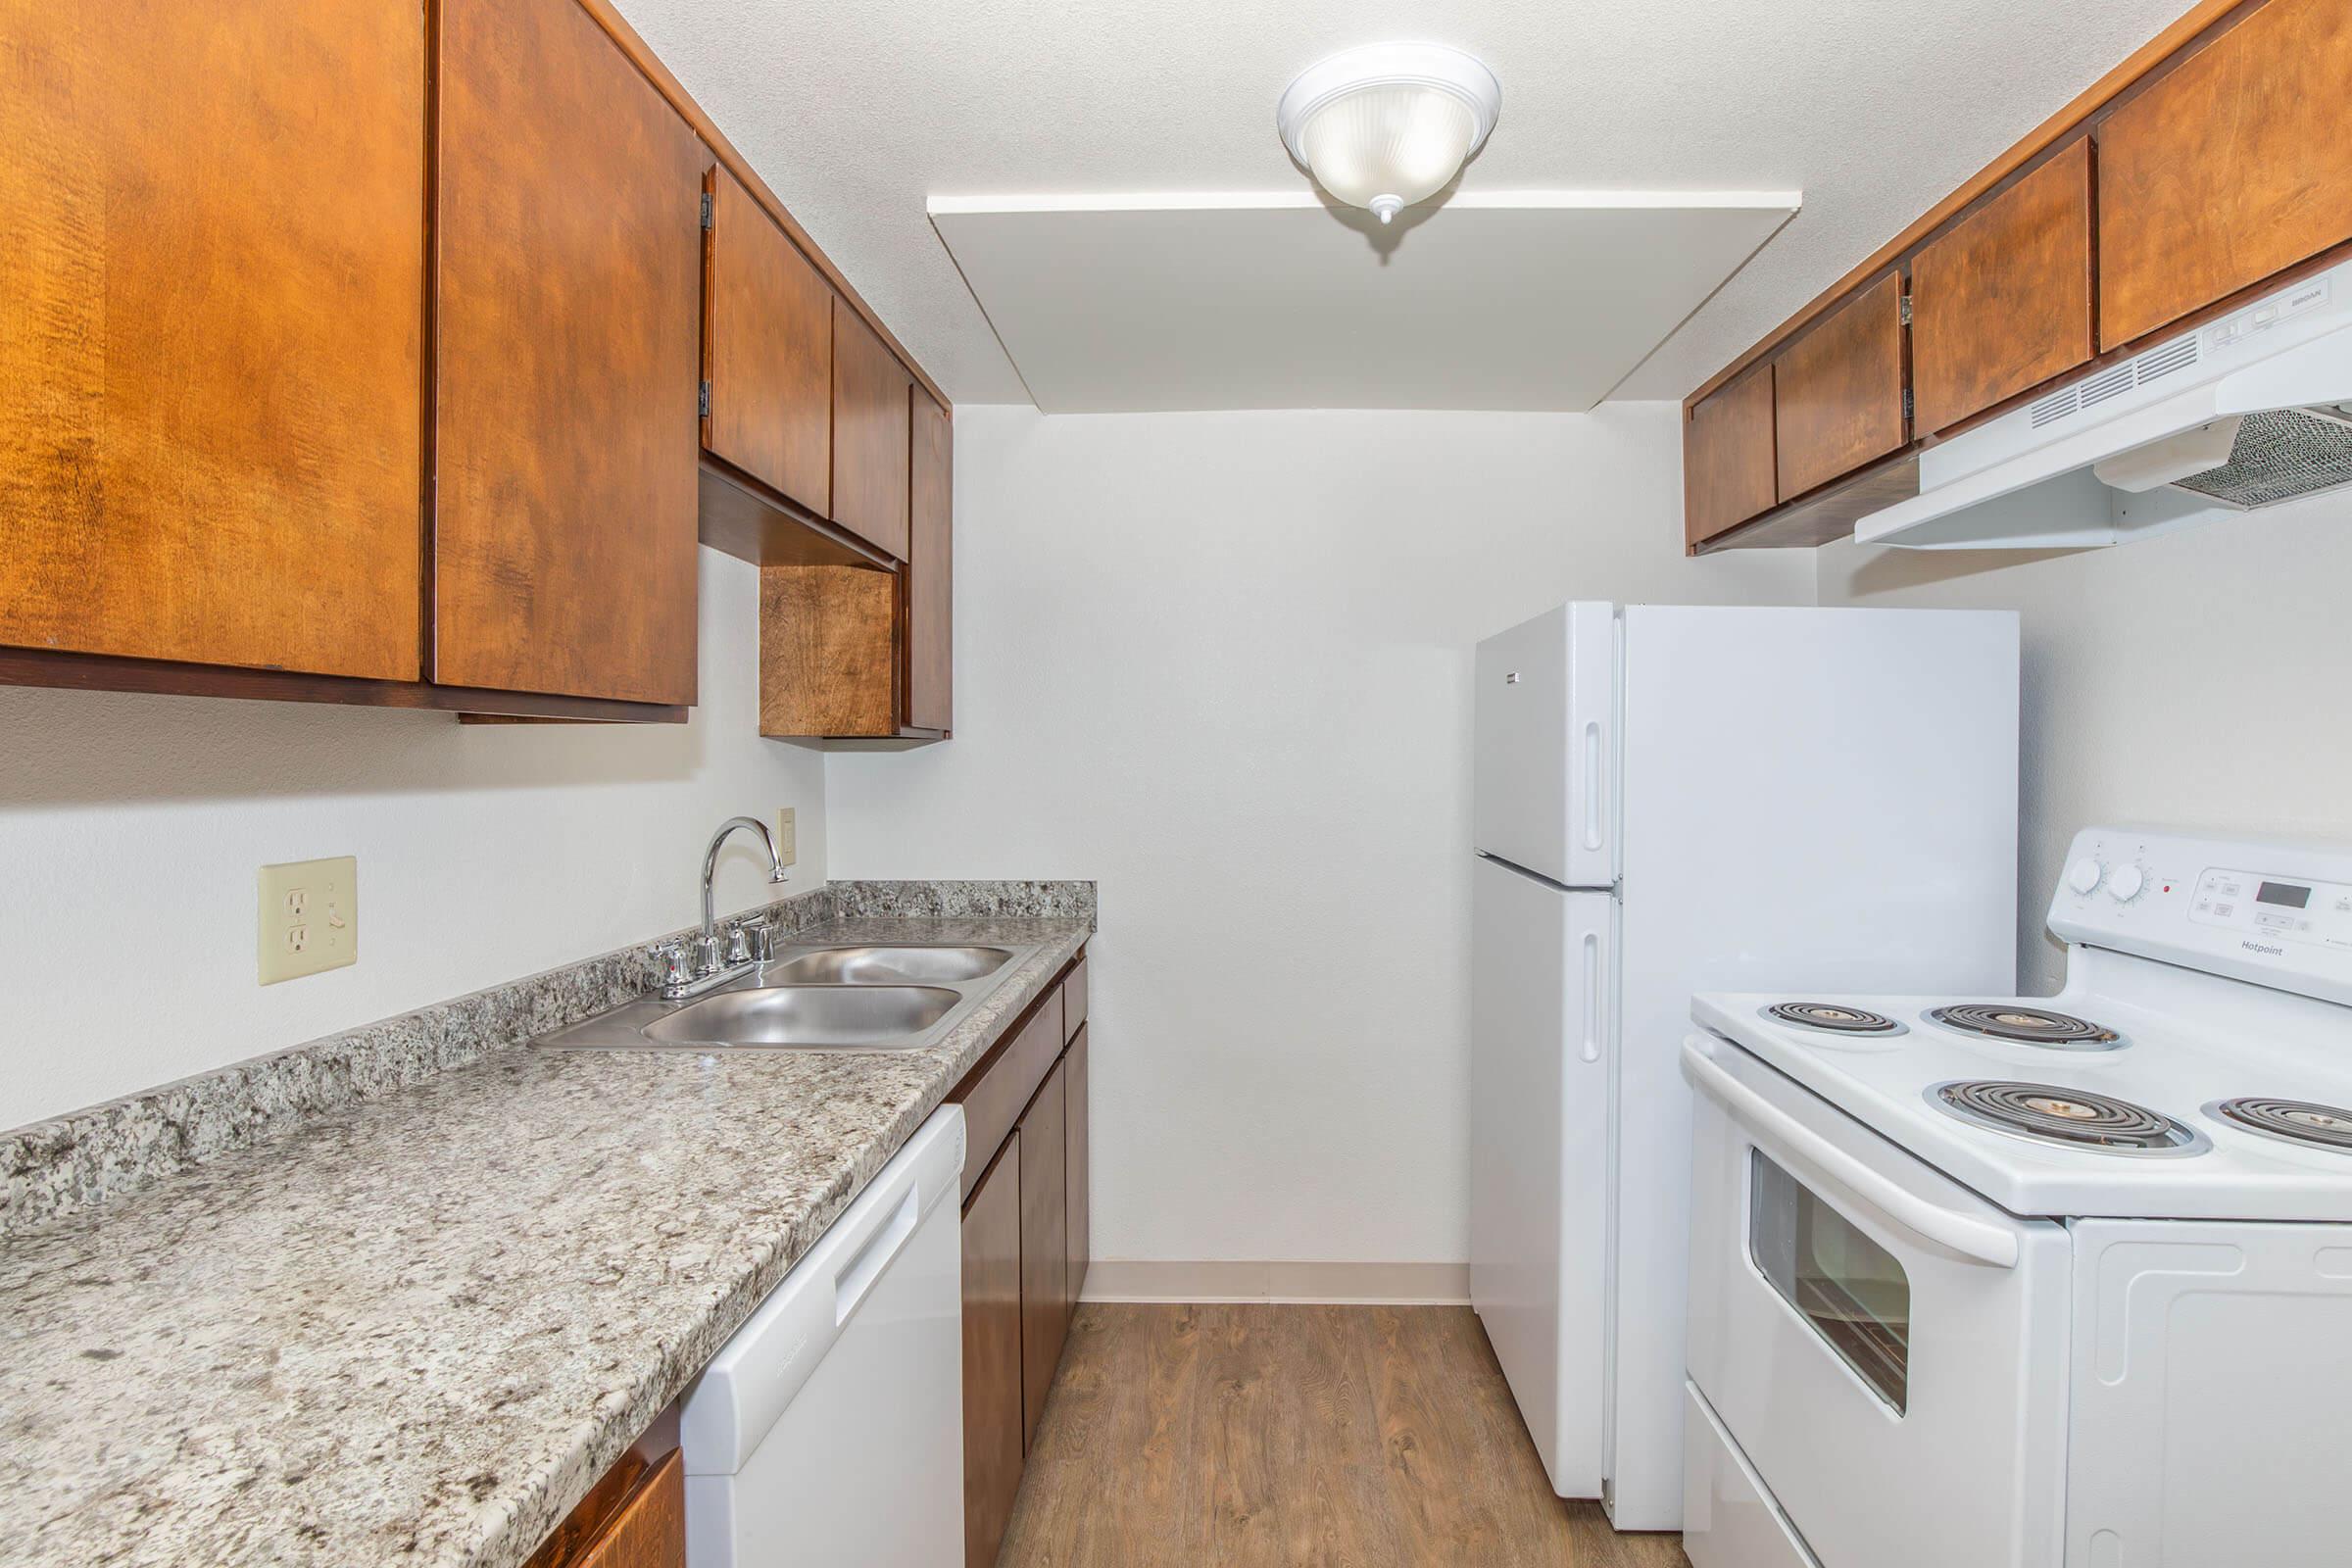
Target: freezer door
1542,1027
1545,722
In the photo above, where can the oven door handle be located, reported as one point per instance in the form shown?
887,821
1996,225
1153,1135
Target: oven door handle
1979,1240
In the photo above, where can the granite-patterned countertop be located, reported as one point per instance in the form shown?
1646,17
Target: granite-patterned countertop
417,1329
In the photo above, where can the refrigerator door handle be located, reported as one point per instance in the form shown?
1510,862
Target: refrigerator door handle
1593,774
1591,1050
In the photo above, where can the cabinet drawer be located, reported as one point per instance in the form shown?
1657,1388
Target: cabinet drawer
2227,170
1073,999
2003,302
992,1097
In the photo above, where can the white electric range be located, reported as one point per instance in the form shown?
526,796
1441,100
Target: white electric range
2013,1283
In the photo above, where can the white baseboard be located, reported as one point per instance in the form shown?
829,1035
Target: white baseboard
1204,1280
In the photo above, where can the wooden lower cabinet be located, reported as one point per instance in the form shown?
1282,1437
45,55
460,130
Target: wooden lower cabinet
634,1517
1045,1244
994,1433
1079,1209
1025,1216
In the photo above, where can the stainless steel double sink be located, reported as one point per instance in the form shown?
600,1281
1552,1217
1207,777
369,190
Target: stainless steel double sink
870,997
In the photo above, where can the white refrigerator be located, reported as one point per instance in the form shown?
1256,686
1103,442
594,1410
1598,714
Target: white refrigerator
1680,799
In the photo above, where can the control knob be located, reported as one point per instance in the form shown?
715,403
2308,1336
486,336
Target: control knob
2125,883
2086,874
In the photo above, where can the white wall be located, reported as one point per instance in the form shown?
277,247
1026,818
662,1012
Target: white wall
130,828
2200,681
1219,663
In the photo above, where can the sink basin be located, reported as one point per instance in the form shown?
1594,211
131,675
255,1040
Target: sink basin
869,1017
887,966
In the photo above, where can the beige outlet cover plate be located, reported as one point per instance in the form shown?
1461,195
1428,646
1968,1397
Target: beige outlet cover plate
309,918
788,849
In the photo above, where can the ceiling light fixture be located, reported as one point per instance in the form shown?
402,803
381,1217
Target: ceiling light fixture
1388,125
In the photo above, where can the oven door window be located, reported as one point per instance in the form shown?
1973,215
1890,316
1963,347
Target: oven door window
1846,1286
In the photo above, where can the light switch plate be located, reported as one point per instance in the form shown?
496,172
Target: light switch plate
787,835
309,918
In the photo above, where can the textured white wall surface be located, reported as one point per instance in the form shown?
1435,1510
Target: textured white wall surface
1220,663
130,828
2201,681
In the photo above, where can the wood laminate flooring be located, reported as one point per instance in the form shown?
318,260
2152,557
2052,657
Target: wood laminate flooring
1277,1436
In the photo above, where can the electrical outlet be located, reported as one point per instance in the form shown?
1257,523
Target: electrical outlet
787,850
309,918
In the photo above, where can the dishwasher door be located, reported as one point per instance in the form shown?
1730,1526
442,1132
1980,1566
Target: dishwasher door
830,1429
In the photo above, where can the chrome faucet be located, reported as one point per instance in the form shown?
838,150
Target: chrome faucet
705,969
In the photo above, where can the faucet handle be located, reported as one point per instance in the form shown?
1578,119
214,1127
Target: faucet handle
739,943
673,959
764,938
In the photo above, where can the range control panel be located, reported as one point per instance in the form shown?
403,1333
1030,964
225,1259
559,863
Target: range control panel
2277,914
2274,904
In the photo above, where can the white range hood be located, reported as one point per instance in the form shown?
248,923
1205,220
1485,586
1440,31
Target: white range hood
2245,412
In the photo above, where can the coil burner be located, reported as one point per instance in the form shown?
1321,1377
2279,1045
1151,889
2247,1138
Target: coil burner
2074,1118
1836,1017
2295,1122
2026,1026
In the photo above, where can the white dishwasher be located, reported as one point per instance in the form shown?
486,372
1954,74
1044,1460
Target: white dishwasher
830,1429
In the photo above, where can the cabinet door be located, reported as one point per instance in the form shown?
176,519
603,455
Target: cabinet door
569,359
768,325
869,435
1728,458
2003,301
992,1430
1837,391
930,567
211,300
2230,167
1078,1180
645,1529
1045,1244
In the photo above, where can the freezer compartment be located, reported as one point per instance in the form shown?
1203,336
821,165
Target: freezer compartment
1544,720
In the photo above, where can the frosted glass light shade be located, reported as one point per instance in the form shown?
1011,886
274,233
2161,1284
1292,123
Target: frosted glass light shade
1389,125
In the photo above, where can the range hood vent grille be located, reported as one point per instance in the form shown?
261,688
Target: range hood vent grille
2114,382
2280,455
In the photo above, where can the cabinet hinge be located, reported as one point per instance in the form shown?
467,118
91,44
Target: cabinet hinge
707,399
1906,404
706,224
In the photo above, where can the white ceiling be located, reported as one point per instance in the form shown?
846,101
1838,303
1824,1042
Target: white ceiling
1492,300
859,110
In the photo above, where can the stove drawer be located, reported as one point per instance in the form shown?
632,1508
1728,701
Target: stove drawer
1887,1350
1729,1521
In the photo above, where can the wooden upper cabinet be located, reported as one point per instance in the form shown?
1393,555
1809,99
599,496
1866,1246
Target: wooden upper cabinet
1837,391
930,567
869,435
768,347
2001,302
2230,167
568,270
1728,466
211,332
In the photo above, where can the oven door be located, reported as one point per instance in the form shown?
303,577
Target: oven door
1885,1348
